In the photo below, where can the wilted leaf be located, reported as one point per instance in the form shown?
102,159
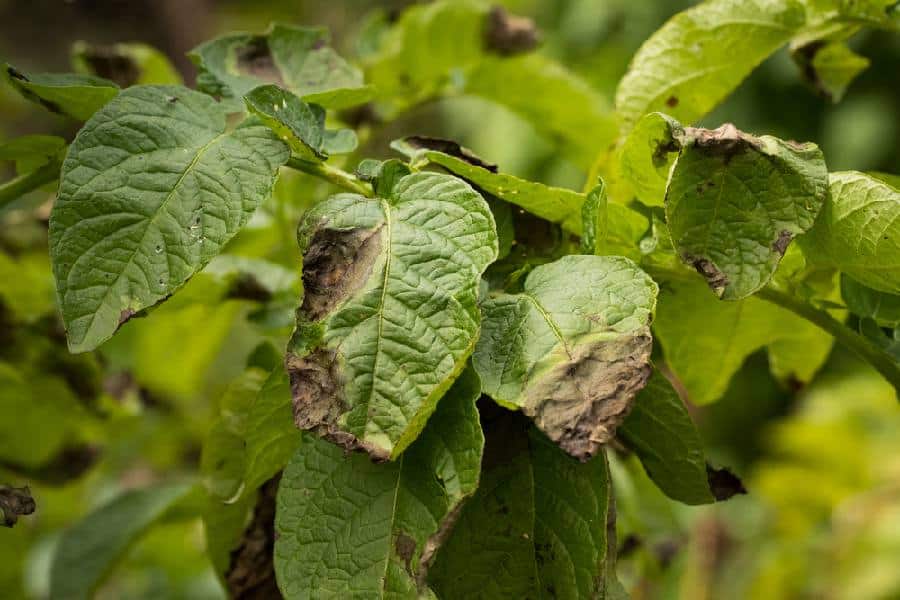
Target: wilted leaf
88,550
295,58
571,357
389,311
153,187
858,231
77,96
125,64
350,528
700,55
540,526
15,503
735,201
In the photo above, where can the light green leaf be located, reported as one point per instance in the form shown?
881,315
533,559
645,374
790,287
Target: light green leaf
153,187
735,201
77,96
557,103
829,67
557,205
571,357
389,312
31,152
891,180
700,55
865,302
858,231
295,58
347,527
89,550
647,156
540,526
27,290
595,221
126,64
706,341
660,431
300,124
253,437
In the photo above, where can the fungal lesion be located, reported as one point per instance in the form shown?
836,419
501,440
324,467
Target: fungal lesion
715,278
580,403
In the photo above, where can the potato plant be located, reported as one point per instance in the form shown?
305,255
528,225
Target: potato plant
453,351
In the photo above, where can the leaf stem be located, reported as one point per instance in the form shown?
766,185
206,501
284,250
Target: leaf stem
17,187
334,175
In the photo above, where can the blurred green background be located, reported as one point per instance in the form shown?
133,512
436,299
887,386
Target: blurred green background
821,463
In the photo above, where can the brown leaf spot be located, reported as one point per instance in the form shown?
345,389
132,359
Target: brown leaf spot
449,147
107,62
579,404
507,34
716,279
723,483
781,243
15,503
126,314
251,572
672,102
255,59
406,548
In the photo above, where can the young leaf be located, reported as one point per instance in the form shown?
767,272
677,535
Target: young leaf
125,64
32,152
647,156
88,551
152,188
571,357
300,124
77,96
700,55
347,527
540,526
865,302
389,311
735,201
660,431
858,231
595,221
557,205
295,58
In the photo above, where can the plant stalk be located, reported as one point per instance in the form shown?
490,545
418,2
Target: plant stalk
17,187
334,175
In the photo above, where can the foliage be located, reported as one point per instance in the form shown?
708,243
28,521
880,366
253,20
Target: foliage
422,376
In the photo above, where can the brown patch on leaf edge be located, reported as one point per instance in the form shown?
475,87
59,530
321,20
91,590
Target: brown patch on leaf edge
507,34
107,62
723,483
726,141
716,279
451,148
251,572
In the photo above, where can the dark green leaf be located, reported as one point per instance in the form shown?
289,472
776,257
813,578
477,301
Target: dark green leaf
78,96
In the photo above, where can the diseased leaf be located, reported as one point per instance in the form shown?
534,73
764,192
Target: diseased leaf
389,311
295,58
858,231
660,431
829,67
571,357
300,124
88,551
15,503
735,201
647,156
32,152
867,303
76,96
125,64
540,526
251,566
700,55
152,188
347,527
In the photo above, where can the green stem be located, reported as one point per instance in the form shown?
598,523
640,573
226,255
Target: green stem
17,187
333,175
883,362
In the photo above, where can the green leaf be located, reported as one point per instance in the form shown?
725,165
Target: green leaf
571,357
295,58
647,156
536,528
595,221
27,290
735,201
829,67
557,205
153,187
706,341
660,431
557,103
125,64
89,550
300,124
254,436
77,96
32,152
865,302
347,527
700,55
858,231
389,311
